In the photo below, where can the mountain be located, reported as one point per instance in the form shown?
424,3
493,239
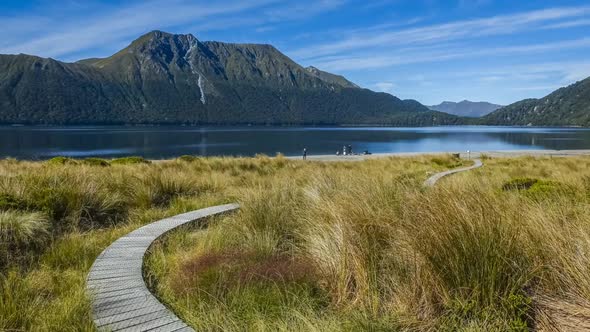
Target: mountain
331,78
466,108
162,78
569,106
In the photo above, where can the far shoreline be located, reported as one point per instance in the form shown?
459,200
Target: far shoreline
462,154
363,157
259,125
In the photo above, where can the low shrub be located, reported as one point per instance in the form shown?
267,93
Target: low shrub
511,314
95,162
11,202
100,209
448,161
72,203
536,188
130,161
159,189
519,184
62,161
58,203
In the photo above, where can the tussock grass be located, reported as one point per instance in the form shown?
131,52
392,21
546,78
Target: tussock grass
383,253
316,246
20,228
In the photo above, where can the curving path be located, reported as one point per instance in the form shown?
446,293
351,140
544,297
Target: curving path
431,181
121,300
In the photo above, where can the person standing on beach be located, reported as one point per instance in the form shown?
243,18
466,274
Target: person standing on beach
304,153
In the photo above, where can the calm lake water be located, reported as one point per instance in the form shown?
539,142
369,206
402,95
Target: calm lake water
166,142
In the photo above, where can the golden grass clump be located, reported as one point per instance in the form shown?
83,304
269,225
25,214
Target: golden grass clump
385,253
316,246
19,228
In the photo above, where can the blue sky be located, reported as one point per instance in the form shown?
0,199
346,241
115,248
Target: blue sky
498,51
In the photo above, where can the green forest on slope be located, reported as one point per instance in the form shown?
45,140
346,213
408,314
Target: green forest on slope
175,79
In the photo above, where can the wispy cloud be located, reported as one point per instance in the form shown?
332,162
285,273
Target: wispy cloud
384,86
537,88
459,30
360,62
91,26
302,9
122,23
568,24
567,71
416,50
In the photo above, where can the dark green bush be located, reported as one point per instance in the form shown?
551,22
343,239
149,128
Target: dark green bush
61,161
536,188
10,202
158,190
447,161
101,209
130,161
69,208
519,184
58,202
511,313
95,162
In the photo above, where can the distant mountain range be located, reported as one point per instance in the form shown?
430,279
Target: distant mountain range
466,108
163,78
569,106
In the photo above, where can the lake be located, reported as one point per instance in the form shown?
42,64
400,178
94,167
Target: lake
32,142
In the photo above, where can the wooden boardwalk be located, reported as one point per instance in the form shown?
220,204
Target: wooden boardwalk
121,300
431,181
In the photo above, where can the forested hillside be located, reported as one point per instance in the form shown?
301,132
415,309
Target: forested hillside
175,79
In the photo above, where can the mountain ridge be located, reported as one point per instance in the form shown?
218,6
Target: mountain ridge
566,106
466,108
163,78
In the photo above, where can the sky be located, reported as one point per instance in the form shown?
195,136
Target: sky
482,50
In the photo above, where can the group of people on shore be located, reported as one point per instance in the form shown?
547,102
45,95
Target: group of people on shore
346,151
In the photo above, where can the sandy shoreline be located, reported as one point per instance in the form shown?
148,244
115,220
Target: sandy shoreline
473,154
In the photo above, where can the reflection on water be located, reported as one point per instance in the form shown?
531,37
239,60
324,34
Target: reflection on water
166,142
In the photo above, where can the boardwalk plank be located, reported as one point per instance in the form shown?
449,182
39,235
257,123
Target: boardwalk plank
120,298
431,181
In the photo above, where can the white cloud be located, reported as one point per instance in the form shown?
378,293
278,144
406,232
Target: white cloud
383,59
384,86
302,9
46,34
86,32
492,78
568,24
459,30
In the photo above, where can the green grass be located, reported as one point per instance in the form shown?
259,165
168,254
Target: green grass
316,246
